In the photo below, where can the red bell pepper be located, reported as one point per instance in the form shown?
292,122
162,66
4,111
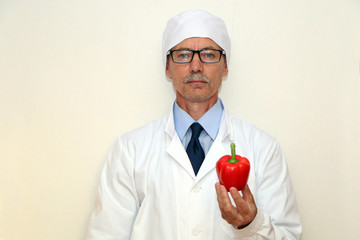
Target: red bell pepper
233,171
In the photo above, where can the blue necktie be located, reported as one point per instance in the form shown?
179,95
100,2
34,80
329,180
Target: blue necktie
194,149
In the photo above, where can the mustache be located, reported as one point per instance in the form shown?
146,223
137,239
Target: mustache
193,77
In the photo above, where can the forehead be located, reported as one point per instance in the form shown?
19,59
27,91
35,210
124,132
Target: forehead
197,43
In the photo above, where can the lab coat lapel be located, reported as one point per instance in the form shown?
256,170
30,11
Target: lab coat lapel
216,151
175,147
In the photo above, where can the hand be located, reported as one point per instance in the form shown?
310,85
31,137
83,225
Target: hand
244,212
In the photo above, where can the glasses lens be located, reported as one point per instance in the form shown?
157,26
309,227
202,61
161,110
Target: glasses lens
210,55
182,56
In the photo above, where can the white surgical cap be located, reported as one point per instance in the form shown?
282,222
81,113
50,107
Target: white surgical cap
195,23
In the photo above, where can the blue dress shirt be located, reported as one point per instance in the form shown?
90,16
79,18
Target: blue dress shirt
210,121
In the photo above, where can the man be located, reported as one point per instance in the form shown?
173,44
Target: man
160,180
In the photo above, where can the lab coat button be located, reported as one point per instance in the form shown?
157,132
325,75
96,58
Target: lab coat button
195,232
196,189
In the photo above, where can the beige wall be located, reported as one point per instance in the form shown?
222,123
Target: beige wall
76,74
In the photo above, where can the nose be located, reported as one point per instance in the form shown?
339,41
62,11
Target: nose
196,66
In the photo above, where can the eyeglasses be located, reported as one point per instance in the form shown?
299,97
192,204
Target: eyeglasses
187,55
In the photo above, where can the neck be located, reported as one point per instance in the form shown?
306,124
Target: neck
196,109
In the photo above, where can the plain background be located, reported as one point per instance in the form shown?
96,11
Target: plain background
75,74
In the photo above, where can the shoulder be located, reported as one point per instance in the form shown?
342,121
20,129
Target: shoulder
249,132
134,147
260,147
145,132
248,128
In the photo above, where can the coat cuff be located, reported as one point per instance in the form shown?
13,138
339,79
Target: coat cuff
253,227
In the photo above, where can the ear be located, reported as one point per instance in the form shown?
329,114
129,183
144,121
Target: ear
167,69
225,71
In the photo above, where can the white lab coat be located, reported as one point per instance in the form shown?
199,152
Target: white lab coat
148,188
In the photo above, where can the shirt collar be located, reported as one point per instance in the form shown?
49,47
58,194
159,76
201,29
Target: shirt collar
210,121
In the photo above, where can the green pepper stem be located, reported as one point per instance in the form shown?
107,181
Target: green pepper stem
233,159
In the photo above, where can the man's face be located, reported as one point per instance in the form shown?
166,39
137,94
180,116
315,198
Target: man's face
196,89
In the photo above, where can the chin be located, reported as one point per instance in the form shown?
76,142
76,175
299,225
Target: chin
198,99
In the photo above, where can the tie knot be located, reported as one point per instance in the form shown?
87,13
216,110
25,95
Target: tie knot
196,129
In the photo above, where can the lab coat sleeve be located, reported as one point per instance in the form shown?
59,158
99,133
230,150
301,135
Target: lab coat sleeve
277,216
117,203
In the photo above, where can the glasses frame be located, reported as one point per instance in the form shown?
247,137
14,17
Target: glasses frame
170,52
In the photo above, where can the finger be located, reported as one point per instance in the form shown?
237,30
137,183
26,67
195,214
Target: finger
223,197
220,198
218,193
241,204
247,195
235,194
228,211
249,198
217,186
